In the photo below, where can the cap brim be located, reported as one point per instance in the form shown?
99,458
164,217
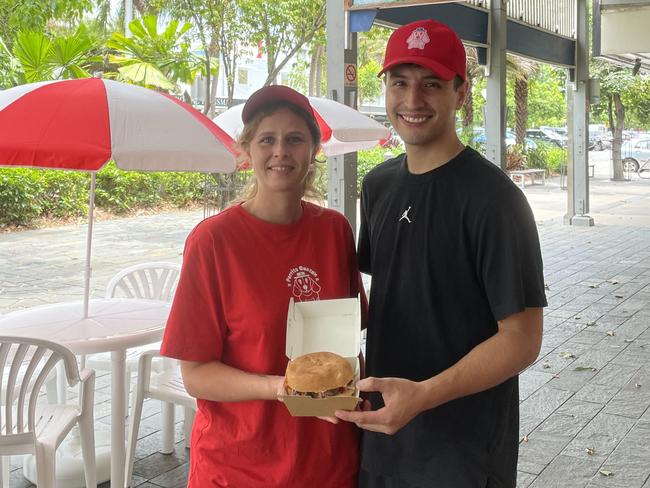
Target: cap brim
436,68
274,94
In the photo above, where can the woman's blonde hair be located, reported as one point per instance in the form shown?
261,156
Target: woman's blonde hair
311,191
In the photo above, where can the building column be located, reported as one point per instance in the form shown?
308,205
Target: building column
342,87
495,105
578,125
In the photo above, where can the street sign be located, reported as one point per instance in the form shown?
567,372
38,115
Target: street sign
350,74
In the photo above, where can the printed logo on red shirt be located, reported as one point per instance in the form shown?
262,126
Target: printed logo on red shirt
303,282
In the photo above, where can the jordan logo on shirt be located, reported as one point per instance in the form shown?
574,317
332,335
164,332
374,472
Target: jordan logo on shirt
405,215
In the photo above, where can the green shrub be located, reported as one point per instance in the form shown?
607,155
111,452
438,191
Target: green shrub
27,194
64,193
370,158
19,191
546,156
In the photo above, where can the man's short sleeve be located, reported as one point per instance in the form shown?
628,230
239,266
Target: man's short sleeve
509,256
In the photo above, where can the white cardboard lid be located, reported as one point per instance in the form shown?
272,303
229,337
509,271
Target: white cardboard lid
324,325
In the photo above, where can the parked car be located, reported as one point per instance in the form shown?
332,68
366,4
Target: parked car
636,153
599,140
511,139
546,136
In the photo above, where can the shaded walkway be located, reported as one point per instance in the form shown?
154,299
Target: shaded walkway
585,403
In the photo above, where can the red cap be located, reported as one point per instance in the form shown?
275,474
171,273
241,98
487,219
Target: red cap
427,43
274,94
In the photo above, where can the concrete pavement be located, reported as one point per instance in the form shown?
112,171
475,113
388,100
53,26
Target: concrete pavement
585,403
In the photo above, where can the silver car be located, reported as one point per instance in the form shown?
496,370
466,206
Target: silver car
636,155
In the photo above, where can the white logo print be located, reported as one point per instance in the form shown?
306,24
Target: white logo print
303,282
405,215
418,38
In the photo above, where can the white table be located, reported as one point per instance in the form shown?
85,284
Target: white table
112,325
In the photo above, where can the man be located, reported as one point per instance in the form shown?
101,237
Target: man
457,287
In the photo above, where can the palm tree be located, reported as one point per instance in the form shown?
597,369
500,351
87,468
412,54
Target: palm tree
474,71
521,69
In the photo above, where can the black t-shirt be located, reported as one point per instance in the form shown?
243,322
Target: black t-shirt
451,252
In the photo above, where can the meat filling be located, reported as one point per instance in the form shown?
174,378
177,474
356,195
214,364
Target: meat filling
343,390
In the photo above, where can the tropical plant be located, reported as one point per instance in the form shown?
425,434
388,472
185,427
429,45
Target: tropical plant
39,57
152,59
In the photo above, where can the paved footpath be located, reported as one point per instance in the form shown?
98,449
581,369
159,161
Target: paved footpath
585,416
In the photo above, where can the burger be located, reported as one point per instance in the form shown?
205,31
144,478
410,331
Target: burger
319,375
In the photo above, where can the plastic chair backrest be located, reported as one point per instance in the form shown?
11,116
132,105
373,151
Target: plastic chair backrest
29,362
152,281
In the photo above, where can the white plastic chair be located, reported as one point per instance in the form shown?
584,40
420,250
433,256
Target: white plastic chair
166,386
32,427
150,281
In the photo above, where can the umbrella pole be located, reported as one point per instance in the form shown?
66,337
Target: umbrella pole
89,238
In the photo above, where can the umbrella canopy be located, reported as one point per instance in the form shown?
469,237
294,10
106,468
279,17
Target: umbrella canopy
343,129
82,124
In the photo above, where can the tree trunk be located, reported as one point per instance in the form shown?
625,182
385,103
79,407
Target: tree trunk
617,134
313,70
211,81
468,105
521,108
319,72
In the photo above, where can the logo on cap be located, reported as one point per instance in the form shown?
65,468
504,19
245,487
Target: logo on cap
418,38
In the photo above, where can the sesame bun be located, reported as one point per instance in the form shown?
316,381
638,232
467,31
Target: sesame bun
318,372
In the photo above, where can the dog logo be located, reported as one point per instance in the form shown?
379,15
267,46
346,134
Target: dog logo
418,38
405,215
304,285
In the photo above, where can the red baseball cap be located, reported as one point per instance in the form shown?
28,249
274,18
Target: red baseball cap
427,43
274,94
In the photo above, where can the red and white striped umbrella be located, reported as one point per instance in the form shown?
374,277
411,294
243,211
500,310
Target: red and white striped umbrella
84,123
343,128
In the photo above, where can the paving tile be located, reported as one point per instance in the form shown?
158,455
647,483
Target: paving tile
594,393
565,472
630,460
615,375
524,479
601,435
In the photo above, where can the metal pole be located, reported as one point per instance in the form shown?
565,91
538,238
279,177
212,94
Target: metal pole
128,16
89,239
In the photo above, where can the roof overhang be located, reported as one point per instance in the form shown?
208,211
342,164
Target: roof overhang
620,32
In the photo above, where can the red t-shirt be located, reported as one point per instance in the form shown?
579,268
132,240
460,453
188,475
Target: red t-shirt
231,305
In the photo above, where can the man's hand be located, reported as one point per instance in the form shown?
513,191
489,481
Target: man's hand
403,400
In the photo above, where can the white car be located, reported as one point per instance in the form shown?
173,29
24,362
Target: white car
636,153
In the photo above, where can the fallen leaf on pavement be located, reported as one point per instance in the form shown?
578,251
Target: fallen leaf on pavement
567,355
591,451
605,472
585,368
611,333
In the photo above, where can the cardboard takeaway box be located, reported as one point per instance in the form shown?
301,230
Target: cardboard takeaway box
324,325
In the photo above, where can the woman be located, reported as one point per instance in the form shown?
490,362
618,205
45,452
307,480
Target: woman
228,320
